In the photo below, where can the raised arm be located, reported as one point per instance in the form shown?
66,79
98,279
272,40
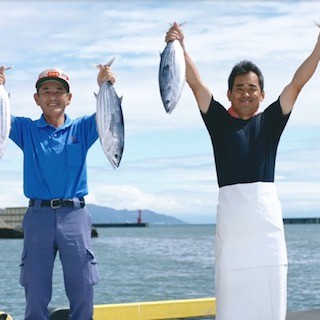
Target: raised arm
201,92
290,93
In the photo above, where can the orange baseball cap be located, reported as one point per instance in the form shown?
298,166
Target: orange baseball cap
53,75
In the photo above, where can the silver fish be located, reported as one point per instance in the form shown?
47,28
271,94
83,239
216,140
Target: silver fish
172,74
5,119
110,124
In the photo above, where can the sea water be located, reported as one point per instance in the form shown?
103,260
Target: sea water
163,263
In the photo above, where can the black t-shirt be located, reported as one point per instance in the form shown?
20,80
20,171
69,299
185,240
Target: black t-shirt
245,150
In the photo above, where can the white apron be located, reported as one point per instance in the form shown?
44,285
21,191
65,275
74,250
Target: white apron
249,227
251,256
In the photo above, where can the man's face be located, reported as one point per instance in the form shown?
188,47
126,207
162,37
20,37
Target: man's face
246,95
52,97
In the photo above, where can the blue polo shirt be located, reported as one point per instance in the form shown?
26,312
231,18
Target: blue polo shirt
54,158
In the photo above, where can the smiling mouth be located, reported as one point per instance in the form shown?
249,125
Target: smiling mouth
53,104
246,103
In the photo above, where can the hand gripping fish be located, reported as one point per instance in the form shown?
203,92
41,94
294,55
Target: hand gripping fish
110,124
5,119
172,74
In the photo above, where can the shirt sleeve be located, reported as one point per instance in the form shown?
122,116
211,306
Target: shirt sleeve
215,118
275,119
89,129
17,125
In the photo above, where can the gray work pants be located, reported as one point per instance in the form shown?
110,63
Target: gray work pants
46,231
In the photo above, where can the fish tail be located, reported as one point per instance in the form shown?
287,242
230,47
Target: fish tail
179,24
110,62
100,66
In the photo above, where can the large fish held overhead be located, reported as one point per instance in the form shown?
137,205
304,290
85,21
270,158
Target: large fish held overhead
172,74
5,119
110,124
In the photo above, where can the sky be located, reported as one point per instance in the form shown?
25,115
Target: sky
168,164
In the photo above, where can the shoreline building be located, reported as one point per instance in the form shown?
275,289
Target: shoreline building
12,217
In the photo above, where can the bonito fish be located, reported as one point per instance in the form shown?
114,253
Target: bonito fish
110,122
172,74
5,120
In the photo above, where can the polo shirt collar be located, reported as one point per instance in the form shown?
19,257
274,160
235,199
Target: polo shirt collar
43,123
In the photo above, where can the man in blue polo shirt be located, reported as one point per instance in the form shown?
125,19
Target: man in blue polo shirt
55,181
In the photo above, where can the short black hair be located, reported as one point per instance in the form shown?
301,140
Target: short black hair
244,67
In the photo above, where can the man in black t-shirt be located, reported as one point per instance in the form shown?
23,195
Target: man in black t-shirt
251,257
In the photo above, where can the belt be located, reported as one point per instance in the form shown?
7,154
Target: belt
57,203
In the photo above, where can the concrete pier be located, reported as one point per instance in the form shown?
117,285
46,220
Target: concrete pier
304,315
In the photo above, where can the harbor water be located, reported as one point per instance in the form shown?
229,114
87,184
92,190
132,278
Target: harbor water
163,263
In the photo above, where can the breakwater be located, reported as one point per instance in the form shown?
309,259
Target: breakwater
301,220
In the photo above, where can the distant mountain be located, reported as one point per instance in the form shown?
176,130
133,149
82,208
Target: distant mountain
108,215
